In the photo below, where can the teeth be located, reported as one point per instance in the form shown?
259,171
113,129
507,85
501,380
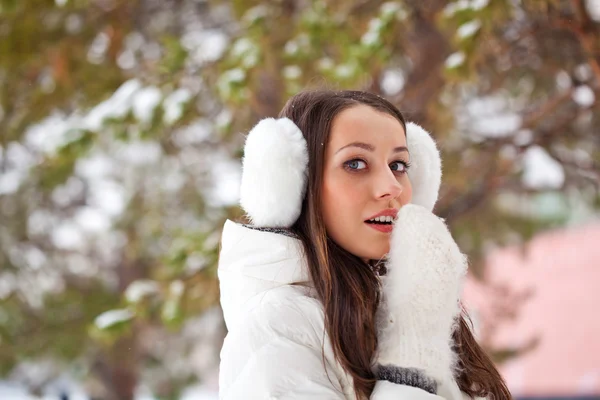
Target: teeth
382,219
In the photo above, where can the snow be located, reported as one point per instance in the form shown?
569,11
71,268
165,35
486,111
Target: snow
393,8
81,265
46,81
491,117
344,71
195,262
98,48
10,182
291,47
152,51
392,81
498,125
34,257
126,60
205,46
95,166
172,179
468,29
112,317
583,72
193,134
13,391
92,220
68,236
224,118
171,306
593,7
325,63
373,34
49,282
255,13
370,38
176,288
49,134
226,176
139,289
455,59
302,41
584,96
199,392
117,106
40,222
540,171
461,5
10,391
145,102
138,152
173,105
108,196
292,72
375,25
242,46
227,78
7,286
523,137
563,81
134,41
18,156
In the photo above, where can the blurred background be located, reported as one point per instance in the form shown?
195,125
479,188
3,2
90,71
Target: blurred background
121,129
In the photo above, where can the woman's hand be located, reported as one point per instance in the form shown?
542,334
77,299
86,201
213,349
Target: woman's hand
420,302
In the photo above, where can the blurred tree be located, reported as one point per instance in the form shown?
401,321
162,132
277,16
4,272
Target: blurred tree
108,141
119,143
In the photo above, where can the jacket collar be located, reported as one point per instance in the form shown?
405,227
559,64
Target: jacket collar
252,261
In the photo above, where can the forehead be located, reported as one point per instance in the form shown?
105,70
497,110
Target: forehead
365,124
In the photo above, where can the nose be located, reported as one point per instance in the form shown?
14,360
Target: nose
387,186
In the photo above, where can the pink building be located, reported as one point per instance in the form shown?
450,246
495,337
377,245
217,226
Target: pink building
546,297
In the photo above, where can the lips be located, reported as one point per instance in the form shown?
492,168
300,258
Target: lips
383,220
385,228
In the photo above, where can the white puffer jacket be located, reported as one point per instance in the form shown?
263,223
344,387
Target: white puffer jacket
275,348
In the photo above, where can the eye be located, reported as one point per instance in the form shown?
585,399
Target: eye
355,165
399,166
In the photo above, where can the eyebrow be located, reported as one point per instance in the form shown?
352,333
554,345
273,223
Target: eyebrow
369,147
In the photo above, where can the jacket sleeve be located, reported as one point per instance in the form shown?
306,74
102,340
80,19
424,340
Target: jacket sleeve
275,353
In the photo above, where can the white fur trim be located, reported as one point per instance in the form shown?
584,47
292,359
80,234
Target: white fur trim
274,173
425,172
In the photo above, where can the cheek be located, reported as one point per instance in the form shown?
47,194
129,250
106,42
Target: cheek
407,192
340,209
341,197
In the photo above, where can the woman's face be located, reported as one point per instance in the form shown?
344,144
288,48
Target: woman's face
364,176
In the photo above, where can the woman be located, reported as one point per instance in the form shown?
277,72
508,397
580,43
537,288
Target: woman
345,285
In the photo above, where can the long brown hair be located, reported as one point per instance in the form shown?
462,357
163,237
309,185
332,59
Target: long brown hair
348,289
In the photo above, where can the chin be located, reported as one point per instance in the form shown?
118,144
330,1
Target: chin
377,254
383,253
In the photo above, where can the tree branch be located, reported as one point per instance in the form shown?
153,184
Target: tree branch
586,30
428,49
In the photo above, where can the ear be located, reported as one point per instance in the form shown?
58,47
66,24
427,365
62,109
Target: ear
425,172
274,173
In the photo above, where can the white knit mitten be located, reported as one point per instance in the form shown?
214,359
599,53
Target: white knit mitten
420,302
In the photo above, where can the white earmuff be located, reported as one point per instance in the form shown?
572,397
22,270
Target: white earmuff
274,173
